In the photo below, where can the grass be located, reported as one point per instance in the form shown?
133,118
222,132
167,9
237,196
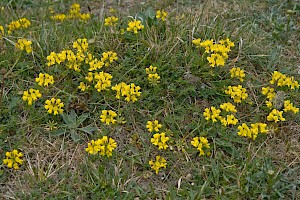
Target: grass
266,36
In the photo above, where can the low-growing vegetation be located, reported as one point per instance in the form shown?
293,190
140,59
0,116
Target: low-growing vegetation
151,100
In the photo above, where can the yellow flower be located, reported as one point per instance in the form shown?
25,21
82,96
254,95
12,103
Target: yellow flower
83,87
269,92
288,106
160,140
153,78
229,120
1,32
44,79
197,42
24,44
54,106
13,159
103,81
103,146
134,26
237,72
283,80
201,143
276,116
158,163
151,70
161,14
59,17
110,21
130,91
252,132
31,95
228,107
212,113
108,116
19,24
153,126
109,57
216,60
81,45
237,93
84,16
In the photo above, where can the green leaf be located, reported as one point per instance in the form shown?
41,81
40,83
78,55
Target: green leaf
66,118
75,137
82,118
73,117
88,129
58,132
150,13
140,16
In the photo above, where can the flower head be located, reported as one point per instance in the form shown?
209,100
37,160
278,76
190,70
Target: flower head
161,14
54,106
31,95
13,159
160,162
153,126
202,144
44,79
24,44
134,26
276,116
110,21
108,116
160,140
237,93
103,146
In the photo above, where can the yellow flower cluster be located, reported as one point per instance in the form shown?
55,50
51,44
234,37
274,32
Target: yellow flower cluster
288,106
108,58
237,93
74,13
13,159
130,91
153,77
19,24
237,72
31,95
1,32
54,106
161,14
160,140
83,87
270,93
160,162
228,107
73,60
229,120
134,26
110,21
283,80
103,81
218,51
44,79
276,116
153,126
108,116
212,113
201,143
252,132
59,17
24,44
103,146
81,45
